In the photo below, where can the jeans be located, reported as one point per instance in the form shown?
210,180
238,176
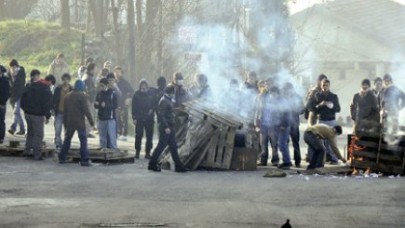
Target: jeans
329,152
17,117
164,140
269,134
58,124
84,153
295,138
283,136
35,134
318,148
141,126
122,121
2,122
107,130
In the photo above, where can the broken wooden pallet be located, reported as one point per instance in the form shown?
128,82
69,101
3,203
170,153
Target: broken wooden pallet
18,151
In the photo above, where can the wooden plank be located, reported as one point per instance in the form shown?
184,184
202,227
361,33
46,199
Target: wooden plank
373,155
229,147
221,150
209,162
336,169
367,144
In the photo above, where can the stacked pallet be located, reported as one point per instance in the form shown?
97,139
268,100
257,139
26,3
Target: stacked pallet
103,155
16,148
376,154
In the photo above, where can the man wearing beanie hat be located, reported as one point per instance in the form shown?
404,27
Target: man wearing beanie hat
4,95
36,101
364,109
76,110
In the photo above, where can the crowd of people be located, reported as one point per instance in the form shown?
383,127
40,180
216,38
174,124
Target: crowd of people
102,101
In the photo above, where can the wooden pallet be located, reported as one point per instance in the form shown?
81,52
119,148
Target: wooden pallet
103,156
18,151
379,156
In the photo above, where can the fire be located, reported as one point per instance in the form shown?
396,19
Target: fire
368,171
354,147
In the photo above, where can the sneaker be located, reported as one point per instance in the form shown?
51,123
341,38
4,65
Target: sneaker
284,166
334,163
275,164
11,131
122,138
261,164
21,132
147,156
298,165
88,163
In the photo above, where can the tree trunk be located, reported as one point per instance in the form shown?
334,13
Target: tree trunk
65,12
131,40
2,9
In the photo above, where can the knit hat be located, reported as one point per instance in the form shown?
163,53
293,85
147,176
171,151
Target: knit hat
79,85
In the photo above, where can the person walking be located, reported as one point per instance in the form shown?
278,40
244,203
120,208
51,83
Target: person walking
36,101
58,106
58,67
167,132
76,109
17,82
4,95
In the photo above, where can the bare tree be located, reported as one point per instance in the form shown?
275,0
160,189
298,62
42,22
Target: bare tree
65,12
131,35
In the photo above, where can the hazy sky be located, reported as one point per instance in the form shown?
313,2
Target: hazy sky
298,5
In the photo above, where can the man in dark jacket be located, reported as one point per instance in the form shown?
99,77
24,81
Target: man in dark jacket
308,114
17,79
4,95
392,101
36,101
143,110
75,110
326,105
364,109
167,132
201,89
181,93
106,103
58,104
123,102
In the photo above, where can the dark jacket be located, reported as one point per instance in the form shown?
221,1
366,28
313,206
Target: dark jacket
37,99
392,99
364,107
56,97
143,105
110,99
166,116
126,91
325,113
4,89
91,90
17,84
76,108
181,95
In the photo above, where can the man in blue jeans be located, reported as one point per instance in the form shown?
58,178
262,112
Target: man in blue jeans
315,136
17,82
76,109
58,106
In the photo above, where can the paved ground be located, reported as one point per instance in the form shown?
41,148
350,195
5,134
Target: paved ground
46,194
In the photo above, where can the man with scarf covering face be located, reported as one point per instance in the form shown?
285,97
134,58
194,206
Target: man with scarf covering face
143,109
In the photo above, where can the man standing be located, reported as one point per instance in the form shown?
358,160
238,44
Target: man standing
123,102
392,101
378,86
4,95
295,101
143,109
201,89
310,115
106,103
314,136
89,80
326,105
181,93
167,132
75,110
58,66
58,105
36,101
17,79
364,109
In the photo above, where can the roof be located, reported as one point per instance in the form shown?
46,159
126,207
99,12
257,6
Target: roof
382,19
